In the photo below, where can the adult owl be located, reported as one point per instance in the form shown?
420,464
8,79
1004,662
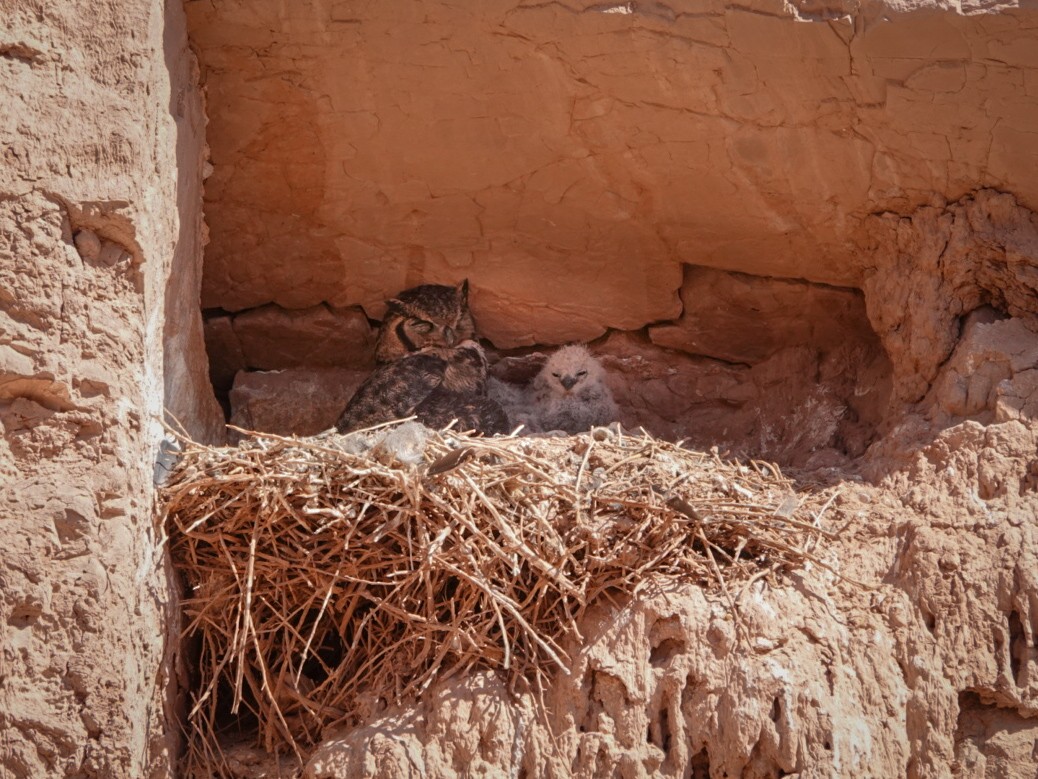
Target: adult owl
436,384
430,315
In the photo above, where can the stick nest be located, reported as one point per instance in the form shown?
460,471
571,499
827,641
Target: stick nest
329,578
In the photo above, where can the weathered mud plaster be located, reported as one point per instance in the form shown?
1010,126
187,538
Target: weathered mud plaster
100,133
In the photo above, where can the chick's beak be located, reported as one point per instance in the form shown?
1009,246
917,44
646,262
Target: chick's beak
568,381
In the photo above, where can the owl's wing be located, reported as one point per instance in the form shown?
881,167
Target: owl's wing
472,411
393,391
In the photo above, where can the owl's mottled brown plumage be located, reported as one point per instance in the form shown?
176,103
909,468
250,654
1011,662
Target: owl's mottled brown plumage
472,412
430,315
436,385
393,391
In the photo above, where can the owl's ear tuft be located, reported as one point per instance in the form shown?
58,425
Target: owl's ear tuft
396,306
463,289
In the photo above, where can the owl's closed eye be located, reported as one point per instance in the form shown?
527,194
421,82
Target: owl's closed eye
429,315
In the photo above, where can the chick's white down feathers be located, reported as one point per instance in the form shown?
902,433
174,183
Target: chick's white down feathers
569,394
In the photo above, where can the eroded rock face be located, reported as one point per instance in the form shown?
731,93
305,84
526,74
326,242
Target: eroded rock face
747,319
929,671
272,338
100,228
992,373
931,268
800,403
572,159
568,157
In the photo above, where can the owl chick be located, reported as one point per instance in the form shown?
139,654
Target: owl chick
436,384
570,392
515,400
424,316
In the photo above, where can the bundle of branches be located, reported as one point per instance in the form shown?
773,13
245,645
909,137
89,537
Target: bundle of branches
328,580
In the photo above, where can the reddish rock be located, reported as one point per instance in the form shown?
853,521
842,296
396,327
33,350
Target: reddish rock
569,157
746,319
787,408
272,338
991,375
935,266
102,138
295,401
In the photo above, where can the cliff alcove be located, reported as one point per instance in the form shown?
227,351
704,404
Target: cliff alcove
698,192
597,172
786,231
802,231
772,368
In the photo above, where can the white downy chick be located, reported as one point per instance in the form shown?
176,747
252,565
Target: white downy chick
570,392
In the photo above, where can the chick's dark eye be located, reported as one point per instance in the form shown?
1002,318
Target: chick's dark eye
555,375
582,373
421,326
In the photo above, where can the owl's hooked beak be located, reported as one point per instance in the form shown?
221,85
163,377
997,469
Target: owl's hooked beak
568,381
449,336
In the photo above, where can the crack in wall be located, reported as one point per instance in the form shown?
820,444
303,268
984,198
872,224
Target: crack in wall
22,52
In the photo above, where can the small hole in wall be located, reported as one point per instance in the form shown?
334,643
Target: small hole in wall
929,618
1029,481
24,616
1018,649
699,765
980,734
665,651
658,733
